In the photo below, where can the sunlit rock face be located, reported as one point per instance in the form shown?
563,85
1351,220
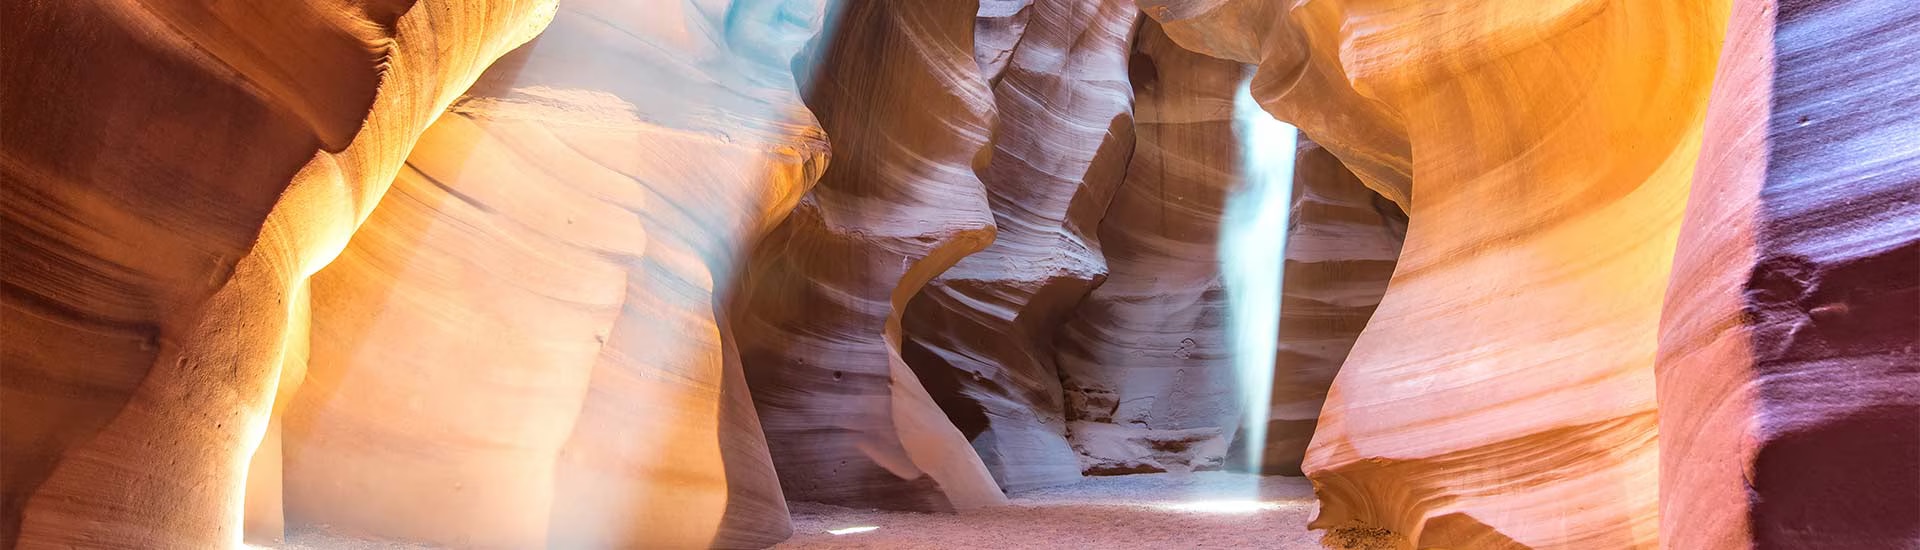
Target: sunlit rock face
819,312
1552,144
1342,244
1789,382
522,347
268,271
174,172
980,336
1143,357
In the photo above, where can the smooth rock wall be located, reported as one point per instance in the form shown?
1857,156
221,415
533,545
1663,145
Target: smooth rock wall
174,171
1788,374
1552,144
818,315
1143,358
1342,242
523,346
980,336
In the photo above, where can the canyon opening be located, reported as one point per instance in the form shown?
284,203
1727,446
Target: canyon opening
1350,274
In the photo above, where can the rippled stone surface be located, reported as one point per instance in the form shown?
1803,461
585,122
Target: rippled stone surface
174,173
1143,359
819,312
1518,332
523,345
981,334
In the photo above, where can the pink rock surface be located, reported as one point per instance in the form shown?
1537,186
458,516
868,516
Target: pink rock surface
980,335
1342,244
1145,352
1788,377
819,311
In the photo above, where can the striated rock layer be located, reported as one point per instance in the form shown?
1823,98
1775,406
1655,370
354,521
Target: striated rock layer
1788,376
1552,147
174,172
819,315
1342,242
522,347
1143,359
981,334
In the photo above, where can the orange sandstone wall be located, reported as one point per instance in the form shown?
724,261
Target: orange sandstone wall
523,346
174,172
1552,144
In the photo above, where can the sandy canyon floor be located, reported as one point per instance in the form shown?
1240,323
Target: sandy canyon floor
1148,511
1203,510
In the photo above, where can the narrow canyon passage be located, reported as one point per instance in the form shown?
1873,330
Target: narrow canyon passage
1353,274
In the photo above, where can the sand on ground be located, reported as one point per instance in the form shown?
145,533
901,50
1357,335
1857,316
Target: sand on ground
1146,511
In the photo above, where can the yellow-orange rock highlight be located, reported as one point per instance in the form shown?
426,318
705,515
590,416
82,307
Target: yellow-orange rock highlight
174,172
523,346
1552,144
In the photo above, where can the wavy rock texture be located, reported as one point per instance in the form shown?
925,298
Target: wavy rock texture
1342,244
522,346
1143,358
997,29
1789,382
1303,45
1492,350
819,317
174,172
981,334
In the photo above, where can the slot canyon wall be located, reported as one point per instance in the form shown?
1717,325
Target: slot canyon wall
1789,375
1143,358
174,172
593,273
523,346
1341,249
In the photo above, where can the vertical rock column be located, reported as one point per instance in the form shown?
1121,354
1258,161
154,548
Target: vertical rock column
174,171
1503,393
1788,374
1143,357
980,336
522,348
819,315
1341,247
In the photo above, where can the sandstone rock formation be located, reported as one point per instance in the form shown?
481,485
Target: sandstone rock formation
1143,357
1789,380
1490,349
553,213
819,311
1342,243
981,334
174,172
265,269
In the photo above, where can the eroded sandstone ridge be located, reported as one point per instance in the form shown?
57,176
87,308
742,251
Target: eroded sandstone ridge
174,172
981,334
819,312
523,346
268,271
1143,358
1517,334
1342,244
1788,374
